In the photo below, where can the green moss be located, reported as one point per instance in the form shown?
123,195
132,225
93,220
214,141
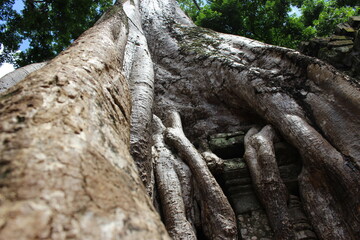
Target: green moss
201,41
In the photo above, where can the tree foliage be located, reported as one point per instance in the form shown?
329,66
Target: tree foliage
48,25
270,21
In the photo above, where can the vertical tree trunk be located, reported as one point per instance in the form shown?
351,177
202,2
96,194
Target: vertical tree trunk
139,72
66,171
65,164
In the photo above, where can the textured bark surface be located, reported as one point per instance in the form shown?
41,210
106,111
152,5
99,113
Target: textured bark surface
66,171
19,74
218,219
139,72
175,195
219,82
260,158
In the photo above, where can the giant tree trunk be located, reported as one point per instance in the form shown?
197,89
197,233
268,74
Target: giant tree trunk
66,169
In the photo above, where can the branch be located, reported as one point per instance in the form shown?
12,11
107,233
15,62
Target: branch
197,5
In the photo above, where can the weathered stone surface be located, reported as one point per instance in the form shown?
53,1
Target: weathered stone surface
340,49
340,43
339,37
354,22
357,41
339,56
356,65
322,41
345,29
255,225
235,176
227,145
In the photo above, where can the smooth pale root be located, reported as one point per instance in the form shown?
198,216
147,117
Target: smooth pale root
65,161
139,71
173,184
218,218
260,158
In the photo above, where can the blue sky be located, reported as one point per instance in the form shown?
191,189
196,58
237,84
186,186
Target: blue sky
18,6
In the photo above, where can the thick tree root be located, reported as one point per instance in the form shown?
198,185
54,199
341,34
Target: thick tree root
260,158
218,219
324,212
174,192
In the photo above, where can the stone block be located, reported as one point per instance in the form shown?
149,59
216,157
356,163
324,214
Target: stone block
332,56
227,145
340,43
357,41
354,22
339,37
356,65
254,226
344,29
321,41
244,202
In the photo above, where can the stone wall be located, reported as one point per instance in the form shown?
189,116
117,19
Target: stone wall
234,177
342,49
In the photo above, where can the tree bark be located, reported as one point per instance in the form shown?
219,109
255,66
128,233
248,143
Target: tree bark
18,75
237,75
260,159
139,72
65,165
66,171
218,219
174,193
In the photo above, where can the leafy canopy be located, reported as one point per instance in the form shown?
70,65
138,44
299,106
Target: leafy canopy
48,25
269,20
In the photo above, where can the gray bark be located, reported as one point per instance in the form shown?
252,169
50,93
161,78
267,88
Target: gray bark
260,158
173,182
219,79
18,75
66,169
139,72
218,219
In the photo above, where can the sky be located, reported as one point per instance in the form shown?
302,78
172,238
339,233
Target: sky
7,67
